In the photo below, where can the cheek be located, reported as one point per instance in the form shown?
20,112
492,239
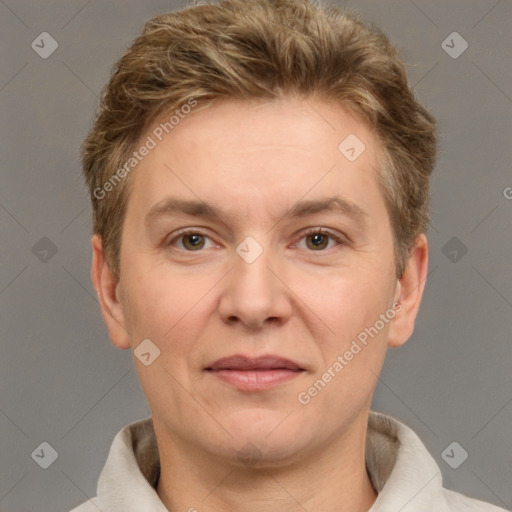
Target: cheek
171,313
151,307
166,308
351,343
343,302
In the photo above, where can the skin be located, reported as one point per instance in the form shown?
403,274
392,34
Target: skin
255,161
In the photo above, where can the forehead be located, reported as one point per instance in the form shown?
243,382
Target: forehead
310,124
258,154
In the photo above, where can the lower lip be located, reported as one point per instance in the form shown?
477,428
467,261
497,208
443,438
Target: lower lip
256,380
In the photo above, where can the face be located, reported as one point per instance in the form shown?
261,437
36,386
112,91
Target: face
255,255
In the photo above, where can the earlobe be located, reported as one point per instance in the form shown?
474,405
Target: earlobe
107,289
410,291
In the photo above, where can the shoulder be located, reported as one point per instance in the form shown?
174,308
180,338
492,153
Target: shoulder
457,501
399,464
92,505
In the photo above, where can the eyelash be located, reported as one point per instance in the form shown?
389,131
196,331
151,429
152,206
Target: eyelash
313,231
322,231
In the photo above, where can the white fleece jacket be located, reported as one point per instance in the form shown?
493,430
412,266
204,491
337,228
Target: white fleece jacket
402,471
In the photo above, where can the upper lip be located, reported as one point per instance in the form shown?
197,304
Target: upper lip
240,362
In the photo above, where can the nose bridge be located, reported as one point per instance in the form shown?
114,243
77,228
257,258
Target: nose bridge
253,293
254,274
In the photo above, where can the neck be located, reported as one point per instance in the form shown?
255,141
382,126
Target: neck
333,479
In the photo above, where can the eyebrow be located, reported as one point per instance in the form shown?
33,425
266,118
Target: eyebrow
197,208
169,207
335,203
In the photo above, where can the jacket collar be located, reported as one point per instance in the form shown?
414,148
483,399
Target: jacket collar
401,470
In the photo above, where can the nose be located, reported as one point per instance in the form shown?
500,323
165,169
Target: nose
255,294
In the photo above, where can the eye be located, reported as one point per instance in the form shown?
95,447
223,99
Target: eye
191,241
319,239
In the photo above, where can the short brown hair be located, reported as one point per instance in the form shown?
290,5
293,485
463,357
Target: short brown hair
238,49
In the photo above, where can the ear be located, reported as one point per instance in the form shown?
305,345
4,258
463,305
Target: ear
106,286
409,293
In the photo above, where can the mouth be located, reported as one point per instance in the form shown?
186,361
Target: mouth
255,374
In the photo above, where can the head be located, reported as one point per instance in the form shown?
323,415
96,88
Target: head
231,120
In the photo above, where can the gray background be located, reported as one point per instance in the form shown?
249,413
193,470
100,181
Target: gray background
61,381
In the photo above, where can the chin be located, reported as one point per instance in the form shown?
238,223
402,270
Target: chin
266,438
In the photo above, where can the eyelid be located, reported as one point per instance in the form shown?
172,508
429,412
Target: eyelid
171,239
176,235
338,237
